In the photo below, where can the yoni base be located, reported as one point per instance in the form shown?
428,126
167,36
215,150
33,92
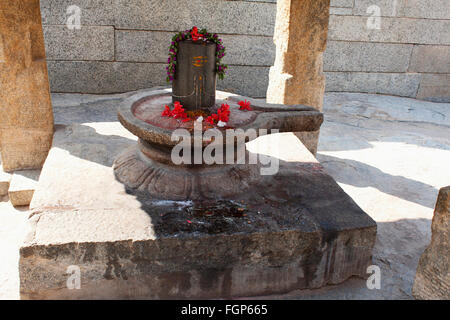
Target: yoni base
295,230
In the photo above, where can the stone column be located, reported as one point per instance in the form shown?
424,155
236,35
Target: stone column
300,37
26,117
432,280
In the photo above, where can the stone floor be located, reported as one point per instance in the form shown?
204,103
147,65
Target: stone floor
389,154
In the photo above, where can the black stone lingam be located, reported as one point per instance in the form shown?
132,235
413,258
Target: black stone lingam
194,85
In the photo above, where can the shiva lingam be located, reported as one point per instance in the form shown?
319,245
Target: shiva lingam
156,118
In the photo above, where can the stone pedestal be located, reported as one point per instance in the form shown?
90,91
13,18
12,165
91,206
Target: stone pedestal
300,38
295,230
26,118
433,276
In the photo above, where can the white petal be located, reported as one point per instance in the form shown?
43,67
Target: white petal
200,119
221,124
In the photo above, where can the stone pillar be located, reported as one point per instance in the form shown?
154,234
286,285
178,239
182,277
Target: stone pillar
26,117
433,276
300,37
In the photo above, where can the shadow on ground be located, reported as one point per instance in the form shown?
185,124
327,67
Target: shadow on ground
359,174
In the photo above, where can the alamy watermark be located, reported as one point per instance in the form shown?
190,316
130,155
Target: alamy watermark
74,18
74,280
374,280
374,21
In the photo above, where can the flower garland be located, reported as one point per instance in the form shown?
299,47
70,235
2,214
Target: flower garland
195,36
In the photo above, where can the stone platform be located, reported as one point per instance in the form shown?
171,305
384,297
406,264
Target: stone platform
127,246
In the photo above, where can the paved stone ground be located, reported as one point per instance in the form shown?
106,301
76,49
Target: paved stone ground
388,153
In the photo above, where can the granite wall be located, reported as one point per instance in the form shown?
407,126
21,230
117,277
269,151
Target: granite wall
122,44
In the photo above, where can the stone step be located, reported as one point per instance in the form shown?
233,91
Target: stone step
22,186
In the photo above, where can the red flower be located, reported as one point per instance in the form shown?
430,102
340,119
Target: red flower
167,112
210,120
224,113
245,105
195,35
177,112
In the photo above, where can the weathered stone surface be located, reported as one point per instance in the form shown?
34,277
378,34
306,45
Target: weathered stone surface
430,59
433,277
5,179
89,43
132,247
300,38
399,84
434,87
394,30
254,18
236,81
366,56
104,77
249,50
26,118
342,3
429,9
341,11
142,46
23,184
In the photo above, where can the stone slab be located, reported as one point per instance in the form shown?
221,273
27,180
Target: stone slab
393,30
398,84
433,278
427,9
368,57
341,11
22,186
26,118
430,59
104,77
130,247
242,17
434,87
88,43
342,3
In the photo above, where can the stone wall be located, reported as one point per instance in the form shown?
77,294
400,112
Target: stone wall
122,44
